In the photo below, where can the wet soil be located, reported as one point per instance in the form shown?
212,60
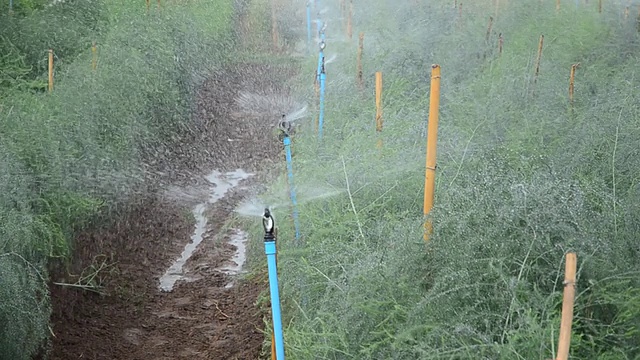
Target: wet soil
202,319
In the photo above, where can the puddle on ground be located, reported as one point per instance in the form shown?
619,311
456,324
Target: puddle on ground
222,183
239,240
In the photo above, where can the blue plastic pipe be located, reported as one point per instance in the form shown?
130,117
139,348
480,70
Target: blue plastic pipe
270,251
296,223
323,77
309,25
320,61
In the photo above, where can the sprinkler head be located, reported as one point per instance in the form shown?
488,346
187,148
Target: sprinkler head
322,45
324,27
267,222
284,126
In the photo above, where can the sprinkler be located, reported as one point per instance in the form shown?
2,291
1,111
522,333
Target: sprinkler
285,128
270,250
323,77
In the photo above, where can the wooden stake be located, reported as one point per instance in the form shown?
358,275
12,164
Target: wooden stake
500,43
379,107
432,138
274,25
148,5
538,58
94,55
571,81
600,6
350,21
489,28
557,5
50,70
359,79
564,340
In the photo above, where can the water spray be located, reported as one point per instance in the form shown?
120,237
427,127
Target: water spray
285,128
270,250
323,77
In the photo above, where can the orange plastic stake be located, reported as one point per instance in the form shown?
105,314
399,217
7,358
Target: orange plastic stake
50,70
359,60
432,138
538,58
568,297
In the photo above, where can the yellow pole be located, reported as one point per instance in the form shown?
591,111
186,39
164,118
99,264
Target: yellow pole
94,53
359,60
349,21
571,81
50,70
535,78
432,138
568,297
379,107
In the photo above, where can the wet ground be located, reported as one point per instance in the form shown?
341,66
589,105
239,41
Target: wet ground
169,264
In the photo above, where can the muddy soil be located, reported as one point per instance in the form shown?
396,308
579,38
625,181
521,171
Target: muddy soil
205,318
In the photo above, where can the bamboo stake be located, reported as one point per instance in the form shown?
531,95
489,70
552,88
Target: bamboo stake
50,70
557,5
489,28
626,13
359,61
535,78
432,138
94,55
568,297
571,81
379,107
500,43
599,6
148,5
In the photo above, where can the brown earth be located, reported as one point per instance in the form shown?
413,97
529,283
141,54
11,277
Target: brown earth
202,319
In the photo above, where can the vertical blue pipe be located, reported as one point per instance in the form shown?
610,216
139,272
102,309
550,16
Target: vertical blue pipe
270,250
320,61
294,201
323,77
309,25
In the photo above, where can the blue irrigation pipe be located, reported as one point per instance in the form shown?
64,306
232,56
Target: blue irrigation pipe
287,147
320,62
270,251
323,77
308,25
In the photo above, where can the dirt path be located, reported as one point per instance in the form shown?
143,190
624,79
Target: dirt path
213,315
